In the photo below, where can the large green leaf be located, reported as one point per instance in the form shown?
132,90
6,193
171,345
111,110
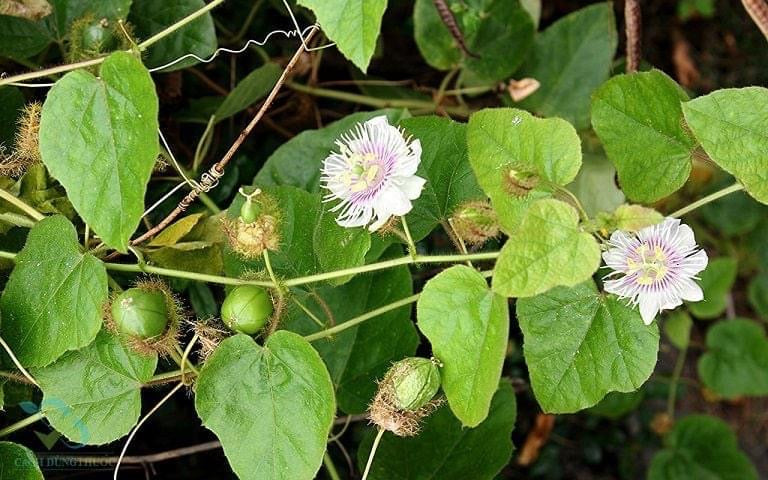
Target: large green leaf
272,407
581,344
445,165
548,250
736,361
570,59
310,240
716,282
297,162
360,355
18,463
701,447
498,33
446,450
67,11
505,139
639,119
98,137
93,395
595,186
733,129
353,24
197,37
54,297
468,327
21,38
249,90
11,101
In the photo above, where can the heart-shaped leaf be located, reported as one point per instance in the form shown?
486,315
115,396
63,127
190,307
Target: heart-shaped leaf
54,297
98,137
468,327
18,463
581,344
272,407
549,249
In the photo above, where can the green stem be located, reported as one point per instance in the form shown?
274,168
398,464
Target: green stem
330,467
361,318
208,202
21,424
409,238
471,90
20,204
374,447
17,363
16,219
375,102
248,21
309,313
167,377
672,395
705,200
96,61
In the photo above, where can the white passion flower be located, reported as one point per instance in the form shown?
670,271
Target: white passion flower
373,174
655,268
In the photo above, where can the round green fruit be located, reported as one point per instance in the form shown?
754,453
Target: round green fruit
247,309
98,37
414,382
141,313
249,212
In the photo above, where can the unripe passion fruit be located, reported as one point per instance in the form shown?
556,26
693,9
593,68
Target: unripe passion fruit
247,309
140,313
250,211
414,382
98,37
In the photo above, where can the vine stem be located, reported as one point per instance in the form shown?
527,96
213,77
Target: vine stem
678,370
362,318
705,200
409,238
20,204
330,467
220,280
25,422
16,219
17,363
96,61
376,102
374,447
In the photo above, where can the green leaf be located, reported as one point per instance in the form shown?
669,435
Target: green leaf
21,38
197,37
353,24
11,101
548,250
700,446
498,32
595,187
733,129
98,137
632,218
360,355
581,344
67,11
639,120
445,166
18,463
93,395
570,59
735,214
618,404
297,162
677,327
501,139
716,282
54,297
468,327
736,361
310,240
176,231
272,407
446,450
201,257
250,90
758,295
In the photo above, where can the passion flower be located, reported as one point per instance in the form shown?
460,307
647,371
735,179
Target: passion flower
140,313
247,309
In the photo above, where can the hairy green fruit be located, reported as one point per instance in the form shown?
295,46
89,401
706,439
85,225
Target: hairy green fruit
98,36
140,313
247,309
415,381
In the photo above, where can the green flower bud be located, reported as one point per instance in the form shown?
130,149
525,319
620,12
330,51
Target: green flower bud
414,382
247,309
250,211
140,313
475,222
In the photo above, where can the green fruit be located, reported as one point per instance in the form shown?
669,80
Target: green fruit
247,309
141,313
249,212
98,38
414,381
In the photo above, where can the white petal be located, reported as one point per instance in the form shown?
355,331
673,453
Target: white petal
690,291
411,186
392,202
695,263
377,224
358,218
684,237
616,258
378,122
649,307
